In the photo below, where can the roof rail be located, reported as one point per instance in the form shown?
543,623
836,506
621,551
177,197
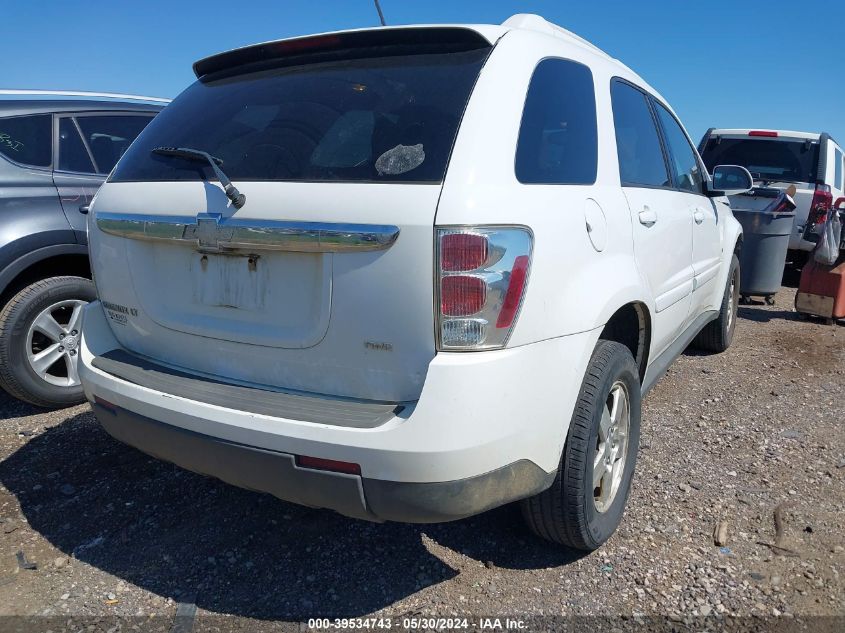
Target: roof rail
534,22
81,93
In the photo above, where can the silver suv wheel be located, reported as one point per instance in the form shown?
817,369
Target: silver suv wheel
39,341
52,343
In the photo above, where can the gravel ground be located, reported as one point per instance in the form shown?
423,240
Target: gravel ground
734,438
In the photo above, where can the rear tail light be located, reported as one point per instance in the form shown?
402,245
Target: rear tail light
821,204
482,273
763,133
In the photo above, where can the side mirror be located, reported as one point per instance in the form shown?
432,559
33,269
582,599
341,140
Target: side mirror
729,180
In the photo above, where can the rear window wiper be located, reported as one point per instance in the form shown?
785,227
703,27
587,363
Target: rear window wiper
188,153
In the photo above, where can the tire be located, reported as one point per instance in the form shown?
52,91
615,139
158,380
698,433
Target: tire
19,337
569,512
718,334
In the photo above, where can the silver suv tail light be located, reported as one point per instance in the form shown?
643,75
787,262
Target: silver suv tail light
482,273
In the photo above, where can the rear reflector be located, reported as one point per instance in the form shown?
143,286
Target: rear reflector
763,133
461,252
108,406
462,295
333,465
519,272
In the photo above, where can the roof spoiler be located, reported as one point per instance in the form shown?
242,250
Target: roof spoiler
345,45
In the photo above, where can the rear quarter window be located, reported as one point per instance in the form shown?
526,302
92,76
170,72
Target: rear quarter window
27,139
558,141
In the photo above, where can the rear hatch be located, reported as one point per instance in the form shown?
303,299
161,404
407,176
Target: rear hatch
775,163
323,280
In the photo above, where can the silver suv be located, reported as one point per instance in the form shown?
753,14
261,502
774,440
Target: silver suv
56,149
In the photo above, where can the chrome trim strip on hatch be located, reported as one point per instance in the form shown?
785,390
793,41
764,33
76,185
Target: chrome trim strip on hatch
210,232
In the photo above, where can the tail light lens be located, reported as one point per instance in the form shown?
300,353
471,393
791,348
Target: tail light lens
462,295
462,251
821,204
482,273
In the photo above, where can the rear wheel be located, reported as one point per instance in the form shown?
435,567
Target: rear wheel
39,341
718,335
584,505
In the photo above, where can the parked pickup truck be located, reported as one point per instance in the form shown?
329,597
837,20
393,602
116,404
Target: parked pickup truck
325,276
777,159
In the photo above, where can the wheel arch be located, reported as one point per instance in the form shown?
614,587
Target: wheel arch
631,326
49,261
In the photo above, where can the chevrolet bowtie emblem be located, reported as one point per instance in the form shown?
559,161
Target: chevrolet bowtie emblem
208,233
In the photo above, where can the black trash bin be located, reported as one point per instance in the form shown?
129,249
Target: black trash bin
766,234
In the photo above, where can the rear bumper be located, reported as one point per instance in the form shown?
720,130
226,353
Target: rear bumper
351,495
488,429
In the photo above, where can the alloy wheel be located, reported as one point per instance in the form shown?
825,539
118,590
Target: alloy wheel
611,447
52,343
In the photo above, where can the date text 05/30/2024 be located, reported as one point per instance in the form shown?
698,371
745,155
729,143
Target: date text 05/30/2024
409,623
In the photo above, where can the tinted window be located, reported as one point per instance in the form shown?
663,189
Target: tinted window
772,159
638,146
27,139
72,153
109,136
557,139
687,169
837,177
376,119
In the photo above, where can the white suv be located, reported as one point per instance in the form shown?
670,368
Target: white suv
452,261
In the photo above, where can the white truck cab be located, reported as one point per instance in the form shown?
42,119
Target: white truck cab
409,274
811,161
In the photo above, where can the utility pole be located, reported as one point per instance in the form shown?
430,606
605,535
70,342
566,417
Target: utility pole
380,14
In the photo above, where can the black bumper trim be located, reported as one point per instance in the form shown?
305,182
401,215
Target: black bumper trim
276,473
293,406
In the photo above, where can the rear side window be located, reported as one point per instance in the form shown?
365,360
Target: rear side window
687,170
371,119
557,138
837,176
769,159
27,139
109,136
641,161
73,156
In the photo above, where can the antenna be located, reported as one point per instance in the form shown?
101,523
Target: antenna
380,14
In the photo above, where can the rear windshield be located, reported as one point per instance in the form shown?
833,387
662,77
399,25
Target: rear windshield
766,159
382,119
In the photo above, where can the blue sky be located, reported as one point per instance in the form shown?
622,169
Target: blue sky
738,63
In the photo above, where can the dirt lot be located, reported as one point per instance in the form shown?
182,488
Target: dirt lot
725,438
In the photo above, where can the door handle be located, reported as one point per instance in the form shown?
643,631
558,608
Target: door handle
647,217
698,216
84,208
